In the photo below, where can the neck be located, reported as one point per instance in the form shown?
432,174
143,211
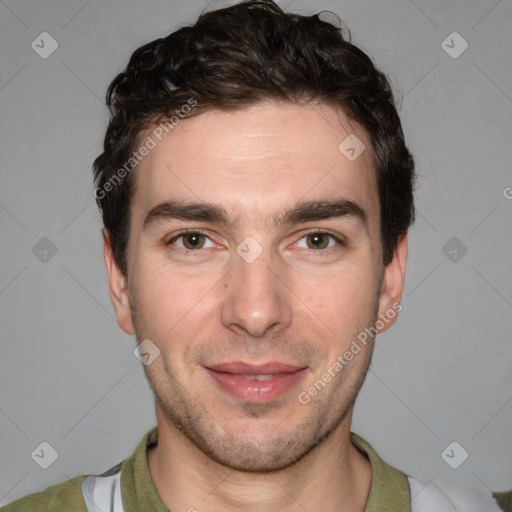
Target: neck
334,476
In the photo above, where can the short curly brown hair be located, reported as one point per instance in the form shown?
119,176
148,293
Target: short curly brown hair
236,57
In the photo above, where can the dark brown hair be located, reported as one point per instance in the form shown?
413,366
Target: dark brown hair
235,57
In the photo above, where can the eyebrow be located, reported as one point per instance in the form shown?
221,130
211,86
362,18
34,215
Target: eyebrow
304,211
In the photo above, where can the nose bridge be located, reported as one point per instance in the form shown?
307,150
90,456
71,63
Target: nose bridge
256,299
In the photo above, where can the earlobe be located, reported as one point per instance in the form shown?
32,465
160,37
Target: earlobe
118,290
392,286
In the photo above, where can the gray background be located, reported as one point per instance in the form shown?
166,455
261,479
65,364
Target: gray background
442,374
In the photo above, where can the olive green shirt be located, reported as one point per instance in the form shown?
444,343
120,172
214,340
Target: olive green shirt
389,490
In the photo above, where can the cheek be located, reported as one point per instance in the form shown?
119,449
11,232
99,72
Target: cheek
340,298
169,301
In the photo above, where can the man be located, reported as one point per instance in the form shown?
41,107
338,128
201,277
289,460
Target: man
256,193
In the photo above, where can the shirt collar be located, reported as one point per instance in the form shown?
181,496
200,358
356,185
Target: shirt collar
389,491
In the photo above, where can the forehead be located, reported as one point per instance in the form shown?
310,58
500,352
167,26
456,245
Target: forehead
256,160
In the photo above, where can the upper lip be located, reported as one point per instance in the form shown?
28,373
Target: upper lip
253,369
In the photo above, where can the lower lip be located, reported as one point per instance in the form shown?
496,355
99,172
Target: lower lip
257,391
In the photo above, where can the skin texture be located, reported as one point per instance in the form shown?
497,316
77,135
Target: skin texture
302,301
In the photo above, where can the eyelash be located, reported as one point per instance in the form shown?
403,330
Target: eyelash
190,252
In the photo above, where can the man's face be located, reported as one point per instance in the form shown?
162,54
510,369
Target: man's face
262,294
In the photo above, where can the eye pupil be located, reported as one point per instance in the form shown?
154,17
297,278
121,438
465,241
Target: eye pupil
194,238
317,237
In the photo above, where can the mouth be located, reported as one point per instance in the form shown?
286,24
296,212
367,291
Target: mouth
256,383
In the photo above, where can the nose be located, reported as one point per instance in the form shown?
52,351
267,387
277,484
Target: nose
257,300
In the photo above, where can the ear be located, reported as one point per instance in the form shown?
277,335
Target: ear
393,286
117,288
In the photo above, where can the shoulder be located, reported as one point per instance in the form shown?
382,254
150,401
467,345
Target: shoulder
64,496
71,495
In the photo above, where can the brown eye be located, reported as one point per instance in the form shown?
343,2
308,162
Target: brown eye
193,240
190,241
318,240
